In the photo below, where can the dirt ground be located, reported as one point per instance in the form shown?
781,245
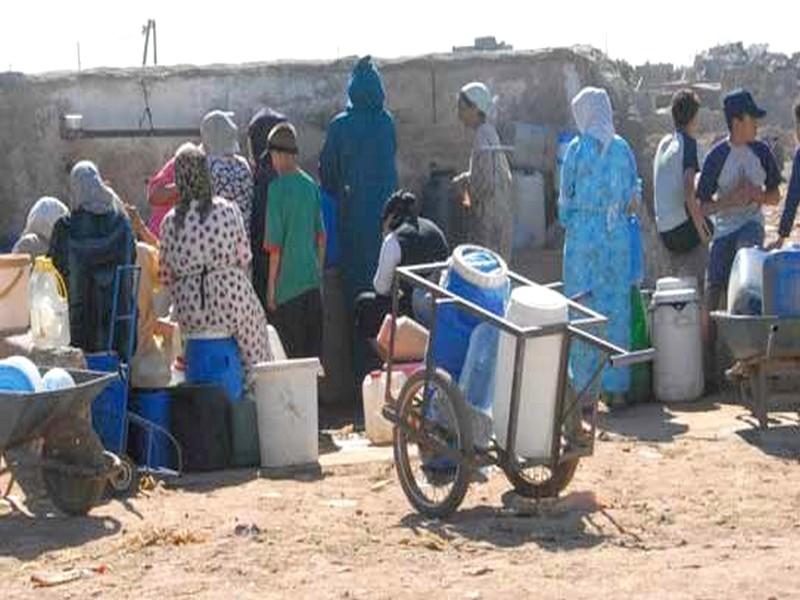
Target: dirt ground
678,502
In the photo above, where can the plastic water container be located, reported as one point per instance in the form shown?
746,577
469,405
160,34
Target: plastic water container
212,360
110,407
481,277
677,338
286,405
530,225
478,380
782,282
531,306
746,283
15,270
57,379
152,448
373,391
49,307
275,344
19,374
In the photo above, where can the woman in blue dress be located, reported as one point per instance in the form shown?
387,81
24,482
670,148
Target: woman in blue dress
599,187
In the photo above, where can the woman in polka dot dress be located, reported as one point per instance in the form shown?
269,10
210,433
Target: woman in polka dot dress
205,254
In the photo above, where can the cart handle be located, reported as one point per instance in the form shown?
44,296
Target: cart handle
632,358
618,357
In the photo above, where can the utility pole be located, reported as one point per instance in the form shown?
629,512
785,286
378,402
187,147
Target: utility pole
146,29
78,44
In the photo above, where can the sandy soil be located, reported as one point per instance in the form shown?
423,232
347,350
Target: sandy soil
676,503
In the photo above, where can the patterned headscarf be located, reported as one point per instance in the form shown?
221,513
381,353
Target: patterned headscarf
594,115
219,134
89,193
193,182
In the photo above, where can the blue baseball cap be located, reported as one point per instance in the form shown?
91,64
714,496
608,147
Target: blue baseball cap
739,103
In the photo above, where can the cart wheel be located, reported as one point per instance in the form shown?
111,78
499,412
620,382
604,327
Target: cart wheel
544,481
541,481
72,442
125,481
430,429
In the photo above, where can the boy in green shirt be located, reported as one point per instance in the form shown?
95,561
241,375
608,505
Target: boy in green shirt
296,244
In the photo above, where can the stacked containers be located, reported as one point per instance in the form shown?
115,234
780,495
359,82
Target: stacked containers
215,360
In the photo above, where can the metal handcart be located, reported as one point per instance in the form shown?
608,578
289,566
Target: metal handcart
431,419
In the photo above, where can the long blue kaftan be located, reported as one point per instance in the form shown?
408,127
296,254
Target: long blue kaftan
357,166
596,192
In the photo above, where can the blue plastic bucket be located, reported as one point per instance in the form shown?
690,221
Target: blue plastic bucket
19,374
782,283
110,407
215,362
149,447
479,276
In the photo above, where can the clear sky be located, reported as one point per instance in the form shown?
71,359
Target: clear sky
42,35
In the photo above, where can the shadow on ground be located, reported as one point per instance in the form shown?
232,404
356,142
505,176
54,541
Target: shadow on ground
569,523
650,422
781,441
27,538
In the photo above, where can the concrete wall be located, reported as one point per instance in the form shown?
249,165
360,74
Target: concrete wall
532,87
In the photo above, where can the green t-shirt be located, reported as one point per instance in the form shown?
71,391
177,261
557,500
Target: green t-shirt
294,225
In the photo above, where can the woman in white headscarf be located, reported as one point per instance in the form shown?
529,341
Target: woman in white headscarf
486,187
42,217
599,186
231,177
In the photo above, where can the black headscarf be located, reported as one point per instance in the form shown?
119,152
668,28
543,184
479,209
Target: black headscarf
262,123
400,208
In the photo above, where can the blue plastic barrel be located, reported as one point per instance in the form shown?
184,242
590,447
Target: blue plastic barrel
481,277
215,362
782,282
110,407
152,448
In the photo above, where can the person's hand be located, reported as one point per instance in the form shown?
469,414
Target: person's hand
137,223
703,232
271,304
776,245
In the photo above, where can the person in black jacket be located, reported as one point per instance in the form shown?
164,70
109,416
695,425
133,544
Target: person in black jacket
408,240
261,125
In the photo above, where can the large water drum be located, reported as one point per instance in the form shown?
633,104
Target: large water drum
531,306
678,366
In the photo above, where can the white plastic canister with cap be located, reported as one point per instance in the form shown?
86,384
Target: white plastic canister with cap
677,338
531,306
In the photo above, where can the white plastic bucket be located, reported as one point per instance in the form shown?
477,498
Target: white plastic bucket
286,404
373,392
531,306
15,311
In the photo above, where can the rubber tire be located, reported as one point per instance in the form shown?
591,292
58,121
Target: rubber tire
73,442
116,489
550,488
453,500
559,479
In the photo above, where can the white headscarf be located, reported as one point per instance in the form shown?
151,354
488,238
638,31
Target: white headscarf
89,193
219,134
477,93
594,116
42,217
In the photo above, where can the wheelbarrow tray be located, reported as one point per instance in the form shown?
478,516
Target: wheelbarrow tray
747,336
26,416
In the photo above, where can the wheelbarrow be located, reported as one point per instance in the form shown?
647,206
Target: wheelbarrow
74,466
763,347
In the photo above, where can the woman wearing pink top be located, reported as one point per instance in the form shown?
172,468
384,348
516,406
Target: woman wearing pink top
161,195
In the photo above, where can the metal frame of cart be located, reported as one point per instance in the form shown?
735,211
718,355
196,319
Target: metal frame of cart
567,448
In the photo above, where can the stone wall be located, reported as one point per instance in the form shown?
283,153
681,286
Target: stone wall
533,87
